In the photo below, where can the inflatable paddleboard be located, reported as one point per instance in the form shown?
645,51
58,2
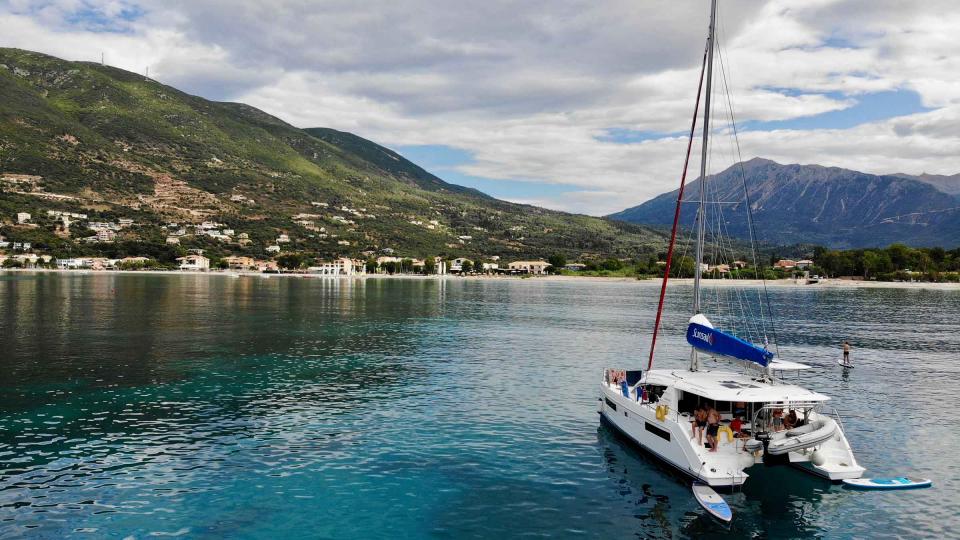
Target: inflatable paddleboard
900,482
844,364
712,503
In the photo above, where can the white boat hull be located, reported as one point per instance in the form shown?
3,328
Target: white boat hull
822,450
639,423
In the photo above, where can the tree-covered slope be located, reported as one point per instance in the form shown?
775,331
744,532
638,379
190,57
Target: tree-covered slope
111,143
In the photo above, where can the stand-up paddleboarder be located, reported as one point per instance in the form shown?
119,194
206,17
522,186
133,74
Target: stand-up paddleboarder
846,354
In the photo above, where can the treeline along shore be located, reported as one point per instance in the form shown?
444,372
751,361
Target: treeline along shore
897,263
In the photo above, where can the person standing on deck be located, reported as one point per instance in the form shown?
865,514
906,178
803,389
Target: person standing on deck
713,428
846,353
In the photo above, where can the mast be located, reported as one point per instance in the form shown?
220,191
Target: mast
676,213
701,214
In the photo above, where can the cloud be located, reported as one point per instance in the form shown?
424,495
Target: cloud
532,90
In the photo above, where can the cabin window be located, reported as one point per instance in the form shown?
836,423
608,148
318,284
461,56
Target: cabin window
610,404
662,433
654,391
688,402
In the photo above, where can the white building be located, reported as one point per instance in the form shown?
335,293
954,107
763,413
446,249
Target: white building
529,267
102,226
60,213
339,267
456,265
73,264
106,236
23,217
273,249
283,239
194,262
27,260
387,259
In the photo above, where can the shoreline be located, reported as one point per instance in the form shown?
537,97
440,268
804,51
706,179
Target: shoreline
779,283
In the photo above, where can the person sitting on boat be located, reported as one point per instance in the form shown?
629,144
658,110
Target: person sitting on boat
736,425
778,419
791,420
713,427
699,423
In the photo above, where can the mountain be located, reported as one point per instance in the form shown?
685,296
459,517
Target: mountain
389,161
831,206
947,184
97,140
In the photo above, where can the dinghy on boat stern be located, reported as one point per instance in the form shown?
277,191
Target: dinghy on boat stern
657,413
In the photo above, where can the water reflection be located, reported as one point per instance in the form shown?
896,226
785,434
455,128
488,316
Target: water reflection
210,406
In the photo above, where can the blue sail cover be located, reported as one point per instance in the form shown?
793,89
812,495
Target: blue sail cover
713,341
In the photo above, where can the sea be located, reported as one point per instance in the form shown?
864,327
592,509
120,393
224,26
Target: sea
210,406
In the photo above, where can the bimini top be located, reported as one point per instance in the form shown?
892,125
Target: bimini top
729,386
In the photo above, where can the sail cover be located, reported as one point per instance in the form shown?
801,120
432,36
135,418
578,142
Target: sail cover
713,341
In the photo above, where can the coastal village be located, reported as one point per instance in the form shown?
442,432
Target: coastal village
213,234
15,254
178,251
324,238
22,254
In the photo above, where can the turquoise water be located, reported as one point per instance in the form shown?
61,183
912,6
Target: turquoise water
210,407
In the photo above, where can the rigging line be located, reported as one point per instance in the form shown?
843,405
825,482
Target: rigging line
747,325
746,195
751,321
676,214
751,328
711,190
704,147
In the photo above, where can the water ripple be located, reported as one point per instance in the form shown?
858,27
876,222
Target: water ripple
200,407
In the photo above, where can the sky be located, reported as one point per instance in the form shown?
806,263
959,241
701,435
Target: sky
575,105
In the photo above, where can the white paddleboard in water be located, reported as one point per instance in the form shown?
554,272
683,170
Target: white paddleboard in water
844,364
712,502
900,482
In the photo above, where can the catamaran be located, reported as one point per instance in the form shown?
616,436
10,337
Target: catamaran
759,417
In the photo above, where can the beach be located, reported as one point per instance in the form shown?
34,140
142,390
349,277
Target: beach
779,283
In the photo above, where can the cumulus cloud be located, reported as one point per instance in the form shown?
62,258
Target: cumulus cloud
532,90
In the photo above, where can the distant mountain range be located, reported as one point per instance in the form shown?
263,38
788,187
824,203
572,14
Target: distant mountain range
97,140
831,206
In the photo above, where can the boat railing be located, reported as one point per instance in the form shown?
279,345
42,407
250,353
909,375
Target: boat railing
788,405
830,410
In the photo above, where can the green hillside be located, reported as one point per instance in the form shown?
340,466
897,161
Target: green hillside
112,144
